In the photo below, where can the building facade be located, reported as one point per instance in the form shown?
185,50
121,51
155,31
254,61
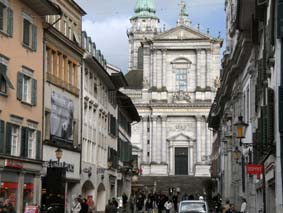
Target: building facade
249,89
21,99
62,105
172,80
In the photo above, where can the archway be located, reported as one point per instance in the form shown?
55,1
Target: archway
101,198
88,189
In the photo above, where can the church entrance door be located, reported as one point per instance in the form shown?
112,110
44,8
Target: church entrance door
181,161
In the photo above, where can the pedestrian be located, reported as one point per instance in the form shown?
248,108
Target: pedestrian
76,206
244,208
91,205
226,207
8,207
132,203
168,206
125,200
115,203
140,202
108,208
84,206
175,202
148,205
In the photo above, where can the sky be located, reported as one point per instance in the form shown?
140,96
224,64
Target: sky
107,22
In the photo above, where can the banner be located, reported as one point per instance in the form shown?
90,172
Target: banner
62,115
254,169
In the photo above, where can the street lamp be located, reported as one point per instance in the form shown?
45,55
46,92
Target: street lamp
237,154
241,128
59,154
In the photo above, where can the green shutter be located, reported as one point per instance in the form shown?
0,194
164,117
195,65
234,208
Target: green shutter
1,15
34,92
270,116
280,106
26,33
34,38
24,142
20,86
264,117
8,138
2,134
10,22
38,145
280,19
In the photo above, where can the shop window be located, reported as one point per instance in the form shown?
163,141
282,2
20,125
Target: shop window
6,18
9,188
28,194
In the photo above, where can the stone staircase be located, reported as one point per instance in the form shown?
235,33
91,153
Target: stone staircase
186,184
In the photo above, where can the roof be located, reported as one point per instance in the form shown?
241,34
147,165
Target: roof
145,9
78,7
135,79
43,7
119,80
126,104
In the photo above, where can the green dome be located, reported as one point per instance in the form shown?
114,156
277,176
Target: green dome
145,9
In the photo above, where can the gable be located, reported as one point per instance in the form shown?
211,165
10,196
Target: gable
180,137
182,33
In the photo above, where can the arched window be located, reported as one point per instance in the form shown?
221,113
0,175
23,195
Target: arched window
140,58
181,67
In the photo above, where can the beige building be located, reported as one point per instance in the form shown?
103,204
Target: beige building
21,101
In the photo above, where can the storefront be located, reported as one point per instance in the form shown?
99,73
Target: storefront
20,183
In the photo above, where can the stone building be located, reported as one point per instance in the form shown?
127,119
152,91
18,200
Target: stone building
172,80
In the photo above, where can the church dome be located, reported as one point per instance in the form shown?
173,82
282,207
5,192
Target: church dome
145,9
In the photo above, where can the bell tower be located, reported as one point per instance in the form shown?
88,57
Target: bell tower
144,25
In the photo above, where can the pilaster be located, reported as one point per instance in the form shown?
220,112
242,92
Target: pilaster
144,140
164,139
159,140
164,76
154,139
198,69
199,136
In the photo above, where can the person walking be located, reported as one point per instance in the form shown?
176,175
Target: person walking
226,207
84,206
91,205
76,206
168,206
244,205
148,205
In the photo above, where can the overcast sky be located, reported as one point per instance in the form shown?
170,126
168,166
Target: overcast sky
107,22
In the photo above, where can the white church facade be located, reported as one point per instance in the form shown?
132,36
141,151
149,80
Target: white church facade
173,77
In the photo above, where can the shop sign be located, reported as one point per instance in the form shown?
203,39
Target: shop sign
56,164
31,209
254,169
15,164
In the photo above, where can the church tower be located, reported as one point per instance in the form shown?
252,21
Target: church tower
144,26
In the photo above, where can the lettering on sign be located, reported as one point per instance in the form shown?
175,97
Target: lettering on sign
55,164
254,169
15,164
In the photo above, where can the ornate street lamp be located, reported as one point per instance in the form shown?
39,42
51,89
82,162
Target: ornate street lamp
241,128
59,154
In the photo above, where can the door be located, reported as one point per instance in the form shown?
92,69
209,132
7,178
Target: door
181,161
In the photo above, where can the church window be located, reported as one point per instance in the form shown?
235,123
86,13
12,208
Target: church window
148,154
181,80
148,141
140,58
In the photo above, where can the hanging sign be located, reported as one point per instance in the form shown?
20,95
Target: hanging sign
254,169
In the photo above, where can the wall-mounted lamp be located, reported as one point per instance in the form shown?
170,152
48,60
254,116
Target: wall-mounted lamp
241,128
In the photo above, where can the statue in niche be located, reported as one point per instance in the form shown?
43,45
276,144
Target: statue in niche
145,83
181,96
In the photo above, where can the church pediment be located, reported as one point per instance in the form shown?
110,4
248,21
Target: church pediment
183,33
180,137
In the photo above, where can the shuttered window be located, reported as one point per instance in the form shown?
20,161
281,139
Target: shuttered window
29,34
6,20
12,146
2,135
26,89
112,125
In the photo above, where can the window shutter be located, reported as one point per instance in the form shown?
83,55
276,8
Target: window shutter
24,142
1,15
34,92
280,19
10,22
2,133
264,117
270,115
8,138
38,145
20,86
26,33
280,103
34,38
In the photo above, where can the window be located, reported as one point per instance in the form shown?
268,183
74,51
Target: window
15,141
140,58
29,33
6,19
181,80
148,141
4,80
26,88
31,143
70,72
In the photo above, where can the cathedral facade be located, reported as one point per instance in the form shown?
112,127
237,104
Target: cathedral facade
173,76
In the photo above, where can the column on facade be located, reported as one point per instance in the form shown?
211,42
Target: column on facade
209,77
198,68
159,68
164,139
164,76
146,64
204,139
49,69
144,139
130,55
154,139
198,137
60,66
203,68
191,165
172,158
158,139
154,70
66,70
